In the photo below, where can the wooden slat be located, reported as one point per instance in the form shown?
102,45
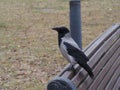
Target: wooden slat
92,47
97,79
108,76
117,85
110,64
113,80
77,79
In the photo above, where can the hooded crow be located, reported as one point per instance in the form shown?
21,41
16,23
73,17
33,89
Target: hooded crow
71,51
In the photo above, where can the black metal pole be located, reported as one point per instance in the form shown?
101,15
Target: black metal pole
75,21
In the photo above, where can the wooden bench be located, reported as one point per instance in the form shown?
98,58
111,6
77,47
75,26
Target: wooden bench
104,55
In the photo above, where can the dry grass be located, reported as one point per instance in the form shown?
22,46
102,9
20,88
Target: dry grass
29,55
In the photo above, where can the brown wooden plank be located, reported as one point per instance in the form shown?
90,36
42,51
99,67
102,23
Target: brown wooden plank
101,63
97,79
77,79
92,47
117,85
108,76
113,79
111,64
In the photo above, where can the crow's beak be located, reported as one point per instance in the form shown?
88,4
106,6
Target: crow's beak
53,28
56,28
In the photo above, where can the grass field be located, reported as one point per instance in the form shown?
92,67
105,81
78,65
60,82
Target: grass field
29,55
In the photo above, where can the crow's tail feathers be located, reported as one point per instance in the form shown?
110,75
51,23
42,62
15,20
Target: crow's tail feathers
88,69
91,74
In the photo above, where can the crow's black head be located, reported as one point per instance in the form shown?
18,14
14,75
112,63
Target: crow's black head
61,30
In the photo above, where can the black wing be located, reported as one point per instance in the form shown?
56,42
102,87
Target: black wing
80,57
76,53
